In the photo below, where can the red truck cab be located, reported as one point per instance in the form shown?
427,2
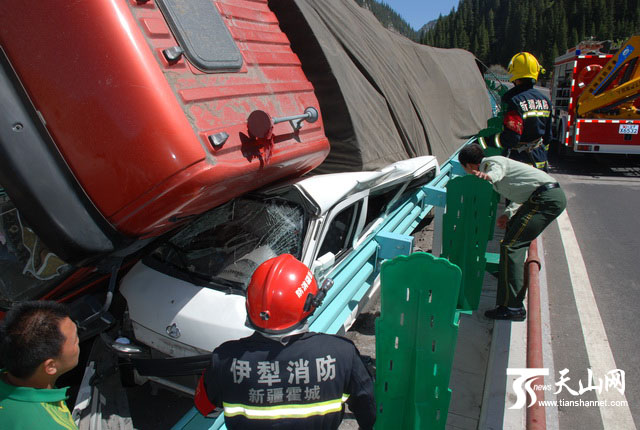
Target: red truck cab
121,119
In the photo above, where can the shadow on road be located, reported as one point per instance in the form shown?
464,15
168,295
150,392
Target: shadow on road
595,165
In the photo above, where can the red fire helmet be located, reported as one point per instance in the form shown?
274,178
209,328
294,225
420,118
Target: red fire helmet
282,293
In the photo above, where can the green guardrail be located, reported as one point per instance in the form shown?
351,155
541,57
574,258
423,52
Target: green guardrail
468,226
422,298
415,341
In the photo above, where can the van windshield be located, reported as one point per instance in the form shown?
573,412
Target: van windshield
222,248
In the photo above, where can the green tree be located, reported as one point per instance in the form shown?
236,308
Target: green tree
573,38
463,41
389,18
490,29
531,35
482,43
563,34
495,29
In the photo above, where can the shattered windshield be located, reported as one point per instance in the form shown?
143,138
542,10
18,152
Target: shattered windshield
223,248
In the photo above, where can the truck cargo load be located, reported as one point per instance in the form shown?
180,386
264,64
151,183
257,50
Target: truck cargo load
383,97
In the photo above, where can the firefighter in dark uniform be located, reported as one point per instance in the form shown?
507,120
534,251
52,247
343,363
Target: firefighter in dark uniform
526,131
284,376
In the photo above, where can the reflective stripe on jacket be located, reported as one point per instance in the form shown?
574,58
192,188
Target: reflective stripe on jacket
303,384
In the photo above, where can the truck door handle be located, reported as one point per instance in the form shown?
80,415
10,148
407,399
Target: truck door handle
260,124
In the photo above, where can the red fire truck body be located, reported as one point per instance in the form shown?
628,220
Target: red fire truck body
594,131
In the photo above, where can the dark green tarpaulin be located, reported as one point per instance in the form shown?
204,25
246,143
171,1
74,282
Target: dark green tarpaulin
383,98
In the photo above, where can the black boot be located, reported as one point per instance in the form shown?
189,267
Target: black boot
504,313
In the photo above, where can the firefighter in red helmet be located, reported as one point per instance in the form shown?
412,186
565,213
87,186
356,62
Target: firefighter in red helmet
284,376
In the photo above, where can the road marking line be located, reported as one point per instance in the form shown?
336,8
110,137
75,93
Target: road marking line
595,336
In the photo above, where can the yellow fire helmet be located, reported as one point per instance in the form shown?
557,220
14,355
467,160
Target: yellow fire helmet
524,65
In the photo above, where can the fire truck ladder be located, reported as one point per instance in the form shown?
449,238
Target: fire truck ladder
613,90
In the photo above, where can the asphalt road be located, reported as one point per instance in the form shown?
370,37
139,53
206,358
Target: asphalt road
603,202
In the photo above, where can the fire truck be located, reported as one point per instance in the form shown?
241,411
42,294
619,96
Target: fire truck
595,97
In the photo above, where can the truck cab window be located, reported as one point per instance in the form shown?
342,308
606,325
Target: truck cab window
202,33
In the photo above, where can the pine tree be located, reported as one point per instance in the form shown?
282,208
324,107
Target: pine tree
462,36
591,32
554,52
563,34
389,18
531,38
490,29
573,38
483,43
605,23
496,29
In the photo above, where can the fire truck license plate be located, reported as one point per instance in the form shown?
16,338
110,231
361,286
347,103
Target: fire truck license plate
628,129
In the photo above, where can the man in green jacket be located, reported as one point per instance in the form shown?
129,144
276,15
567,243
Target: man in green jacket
535,201
38,343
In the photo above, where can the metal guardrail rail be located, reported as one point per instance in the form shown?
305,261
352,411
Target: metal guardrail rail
357,276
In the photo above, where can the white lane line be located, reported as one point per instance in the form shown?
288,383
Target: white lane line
595,337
